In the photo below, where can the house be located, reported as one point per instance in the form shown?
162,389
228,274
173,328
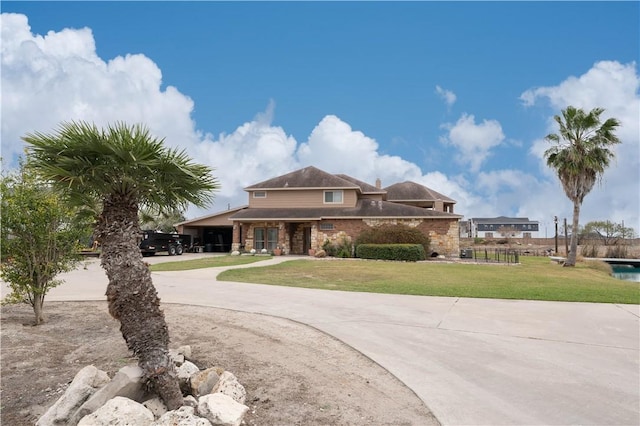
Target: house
501,227
303,209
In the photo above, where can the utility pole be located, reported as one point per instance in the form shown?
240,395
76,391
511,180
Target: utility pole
555,221
566,243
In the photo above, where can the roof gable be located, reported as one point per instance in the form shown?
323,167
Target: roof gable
411,191
308,177
365,188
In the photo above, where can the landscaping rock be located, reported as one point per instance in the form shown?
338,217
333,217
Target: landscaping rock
126,383
228,384
119,411
183,416
156,406
221,409
203,381
84,384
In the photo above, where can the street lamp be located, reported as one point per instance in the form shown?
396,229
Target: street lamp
555,221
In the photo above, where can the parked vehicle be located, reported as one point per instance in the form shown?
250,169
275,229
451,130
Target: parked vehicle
154,242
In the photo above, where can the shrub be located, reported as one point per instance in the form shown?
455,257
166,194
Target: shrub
394,234
404,252
618,252
342,248
590,250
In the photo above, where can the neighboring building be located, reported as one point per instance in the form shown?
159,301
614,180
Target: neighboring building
499,227
301,210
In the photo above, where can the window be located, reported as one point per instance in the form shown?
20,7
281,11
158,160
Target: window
333,197
488,234
265,238
259,194
326,226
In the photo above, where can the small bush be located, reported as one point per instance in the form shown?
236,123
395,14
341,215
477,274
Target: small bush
403,252
394,234
617,252
589,250
342,248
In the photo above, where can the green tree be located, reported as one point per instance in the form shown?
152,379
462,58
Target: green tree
160,221
608,232
125,168
580,155
38,239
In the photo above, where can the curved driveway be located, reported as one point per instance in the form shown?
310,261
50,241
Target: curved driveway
472,361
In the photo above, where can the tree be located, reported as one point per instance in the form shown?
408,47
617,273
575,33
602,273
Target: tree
580,155
608,232
38,239
160,221
125,168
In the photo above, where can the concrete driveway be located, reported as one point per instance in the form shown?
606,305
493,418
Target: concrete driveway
472,361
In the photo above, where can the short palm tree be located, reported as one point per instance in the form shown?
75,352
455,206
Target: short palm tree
120,169
581,153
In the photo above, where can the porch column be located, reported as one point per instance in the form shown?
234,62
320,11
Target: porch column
236,243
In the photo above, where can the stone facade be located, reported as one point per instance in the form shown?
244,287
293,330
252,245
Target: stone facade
291,236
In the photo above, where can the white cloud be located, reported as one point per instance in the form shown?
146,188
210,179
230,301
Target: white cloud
473,141
59,77
614,87
447,95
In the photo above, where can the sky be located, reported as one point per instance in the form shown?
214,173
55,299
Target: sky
457,96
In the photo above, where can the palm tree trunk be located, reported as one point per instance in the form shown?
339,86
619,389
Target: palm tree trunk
133,299
573,247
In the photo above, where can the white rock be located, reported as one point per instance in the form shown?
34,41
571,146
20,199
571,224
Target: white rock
228,384
221,409
190,401
183,416
119,411
84,384
185,350
186,370
156,406
126,383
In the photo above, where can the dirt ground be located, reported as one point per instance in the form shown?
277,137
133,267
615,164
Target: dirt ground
293,374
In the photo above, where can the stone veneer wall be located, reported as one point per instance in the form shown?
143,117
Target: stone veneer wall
442,232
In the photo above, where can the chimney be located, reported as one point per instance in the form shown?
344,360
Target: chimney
378,183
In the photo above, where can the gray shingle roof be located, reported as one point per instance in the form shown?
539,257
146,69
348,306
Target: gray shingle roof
363,209
365,188
309,177
411,191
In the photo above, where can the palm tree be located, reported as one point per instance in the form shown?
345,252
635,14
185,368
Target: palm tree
580,154
124,168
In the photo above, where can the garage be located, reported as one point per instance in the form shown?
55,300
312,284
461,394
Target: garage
211,233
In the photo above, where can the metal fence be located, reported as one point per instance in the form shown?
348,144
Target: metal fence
496,255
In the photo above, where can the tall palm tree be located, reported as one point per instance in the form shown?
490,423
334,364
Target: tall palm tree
124,168
580,154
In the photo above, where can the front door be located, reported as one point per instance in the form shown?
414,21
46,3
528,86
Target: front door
306,241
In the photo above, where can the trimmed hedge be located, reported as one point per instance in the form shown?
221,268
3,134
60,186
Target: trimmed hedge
389,233
403,252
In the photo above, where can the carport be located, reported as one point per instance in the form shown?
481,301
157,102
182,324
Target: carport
211,233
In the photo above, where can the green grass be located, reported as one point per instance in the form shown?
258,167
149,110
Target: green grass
533,279
207,262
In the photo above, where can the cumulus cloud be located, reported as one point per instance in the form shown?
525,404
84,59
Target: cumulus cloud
59,77
473,141
614,87
447,95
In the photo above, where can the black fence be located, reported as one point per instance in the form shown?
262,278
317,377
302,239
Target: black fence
495,255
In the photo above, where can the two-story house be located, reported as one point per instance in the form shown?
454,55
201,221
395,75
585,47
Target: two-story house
303,209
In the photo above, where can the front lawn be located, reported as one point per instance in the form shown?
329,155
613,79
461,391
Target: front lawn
536,278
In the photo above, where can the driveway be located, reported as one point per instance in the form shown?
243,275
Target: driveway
472,361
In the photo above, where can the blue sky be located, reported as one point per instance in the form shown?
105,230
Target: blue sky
453,95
